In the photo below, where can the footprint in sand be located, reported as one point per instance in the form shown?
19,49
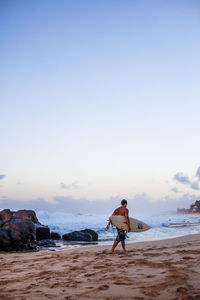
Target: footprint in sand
150,276
103,287
123,282
181,290
74,268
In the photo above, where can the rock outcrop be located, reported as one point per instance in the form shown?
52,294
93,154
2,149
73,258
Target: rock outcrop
20,230
93,233
194,208
86,235
42,232
5,215
5,241
26,215
55,236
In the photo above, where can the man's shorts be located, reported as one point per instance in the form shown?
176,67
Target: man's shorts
121,235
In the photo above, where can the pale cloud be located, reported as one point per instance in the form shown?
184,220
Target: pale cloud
183,179
175,190
198,173
74,184
195,186
180,177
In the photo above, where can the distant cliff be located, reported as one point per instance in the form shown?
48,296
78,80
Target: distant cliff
194,208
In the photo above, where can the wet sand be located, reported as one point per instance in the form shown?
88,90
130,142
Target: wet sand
167,269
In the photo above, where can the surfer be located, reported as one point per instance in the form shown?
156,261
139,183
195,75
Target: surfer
121,234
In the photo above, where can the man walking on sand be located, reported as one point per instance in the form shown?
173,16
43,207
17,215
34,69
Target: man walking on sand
121,235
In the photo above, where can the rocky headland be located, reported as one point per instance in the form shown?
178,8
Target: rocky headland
193,209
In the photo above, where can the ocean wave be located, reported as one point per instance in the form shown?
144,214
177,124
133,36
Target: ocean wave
163,225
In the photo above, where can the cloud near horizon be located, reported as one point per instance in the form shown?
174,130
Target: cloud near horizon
139,205
74,184
181,178
198,173
175,190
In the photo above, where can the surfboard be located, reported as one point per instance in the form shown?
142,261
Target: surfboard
135,225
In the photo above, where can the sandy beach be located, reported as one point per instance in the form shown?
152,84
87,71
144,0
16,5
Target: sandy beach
166,269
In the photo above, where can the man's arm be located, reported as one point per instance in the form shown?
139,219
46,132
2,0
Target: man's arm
107,227
127,220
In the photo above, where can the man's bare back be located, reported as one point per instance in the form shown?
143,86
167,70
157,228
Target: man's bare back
120,211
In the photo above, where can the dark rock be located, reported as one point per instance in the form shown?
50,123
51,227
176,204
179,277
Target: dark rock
46,243
77,236
5,215
19,230
1,223
86,235
21,233
26,215
5,241
42,232
55,236
92,233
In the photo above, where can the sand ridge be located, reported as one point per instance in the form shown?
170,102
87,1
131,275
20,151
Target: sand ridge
167,269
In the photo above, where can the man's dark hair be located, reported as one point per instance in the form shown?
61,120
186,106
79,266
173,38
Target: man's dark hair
123,202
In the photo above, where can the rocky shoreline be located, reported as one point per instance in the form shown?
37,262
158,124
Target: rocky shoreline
193,209
21,230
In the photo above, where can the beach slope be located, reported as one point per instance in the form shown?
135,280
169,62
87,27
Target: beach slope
167,269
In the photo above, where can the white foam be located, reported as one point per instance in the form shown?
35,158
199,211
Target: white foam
67,222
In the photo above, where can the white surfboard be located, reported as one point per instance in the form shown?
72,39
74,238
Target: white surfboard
135,225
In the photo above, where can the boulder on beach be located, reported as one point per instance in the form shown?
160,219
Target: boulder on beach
26,215
5,215
42,232
92,233
5,241
21,233
55,236
21,230
86,235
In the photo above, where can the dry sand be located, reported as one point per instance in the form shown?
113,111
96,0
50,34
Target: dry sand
167,269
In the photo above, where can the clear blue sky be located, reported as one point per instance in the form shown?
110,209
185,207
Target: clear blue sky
99,99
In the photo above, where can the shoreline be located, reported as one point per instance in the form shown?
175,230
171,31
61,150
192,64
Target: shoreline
164,269
82,245
140,243
97,245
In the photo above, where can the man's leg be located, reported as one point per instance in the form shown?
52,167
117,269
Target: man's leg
123,246
114,246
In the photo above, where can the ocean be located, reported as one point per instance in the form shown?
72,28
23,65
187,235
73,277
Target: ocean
164,225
